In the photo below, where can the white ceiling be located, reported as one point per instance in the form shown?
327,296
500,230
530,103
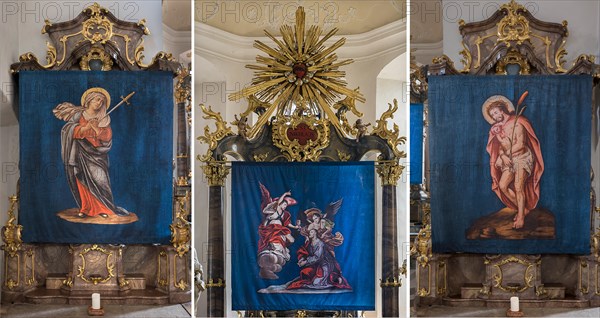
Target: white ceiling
250,18
177,14
426,18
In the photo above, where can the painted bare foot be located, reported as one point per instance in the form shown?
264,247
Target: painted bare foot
526,212
519,222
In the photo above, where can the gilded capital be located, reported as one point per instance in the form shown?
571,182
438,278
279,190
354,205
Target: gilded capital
216,173
389,172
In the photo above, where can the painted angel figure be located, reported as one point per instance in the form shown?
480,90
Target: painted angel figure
274,233
316,258
86,139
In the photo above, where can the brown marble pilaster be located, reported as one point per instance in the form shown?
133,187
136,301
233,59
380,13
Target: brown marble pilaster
216,254
389,261
182,144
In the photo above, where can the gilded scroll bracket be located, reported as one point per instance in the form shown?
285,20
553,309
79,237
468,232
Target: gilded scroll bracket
11,232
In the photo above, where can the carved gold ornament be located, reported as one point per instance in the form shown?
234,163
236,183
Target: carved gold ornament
212,138
513,27
392,136
300,66
391,282
261,157
182,90
347,104
559,61
513,57
389,171
422,246
110,266
11,232
215,283
97,29
69,281
216,173
528,276
180,228
162,280
96,54
182,283
343,156
418,83
300,138
467,59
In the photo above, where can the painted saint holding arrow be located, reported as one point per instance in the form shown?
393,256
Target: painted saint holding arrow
86,139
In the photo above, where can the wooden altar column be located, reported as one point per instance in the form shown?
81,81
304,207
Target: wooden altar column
390,266
216,174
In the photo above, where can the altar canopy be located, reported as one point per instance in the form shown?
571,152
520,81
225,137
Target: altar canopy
303,236
88,176
490,162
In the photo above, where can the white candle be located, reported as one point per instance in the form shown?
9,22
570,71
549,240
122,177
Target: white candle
95,301
514,303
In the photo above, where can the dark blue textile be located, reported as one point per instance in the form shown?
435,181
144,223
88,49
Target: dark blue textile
140,160
416,144
558,108
312,185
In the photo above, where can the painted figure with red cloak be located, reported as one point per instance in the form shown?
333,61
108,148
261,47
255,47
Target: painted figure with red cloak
516,162
86,139
274,233
316,258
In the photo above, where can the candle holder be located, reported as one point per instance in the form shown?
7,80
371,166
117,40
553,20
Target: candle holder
510,313
95,312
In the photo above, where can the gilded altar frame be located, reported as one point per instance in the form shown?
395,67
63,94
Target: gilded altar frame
511,37
97,40
307,124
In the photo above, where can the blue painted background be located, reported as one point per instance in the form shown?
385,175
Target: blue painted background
416,143
312,185
558,108
140,158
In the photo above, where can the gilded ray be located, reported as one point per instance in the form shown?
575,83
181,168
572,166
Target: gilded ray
299,67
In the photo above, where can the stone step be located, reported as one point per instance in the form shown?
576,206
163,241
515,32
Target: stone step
136,281
555,291
55,281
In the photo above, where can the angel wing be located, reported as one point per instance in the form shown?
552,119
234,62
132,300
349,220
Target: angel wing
332,210
265,196
65,111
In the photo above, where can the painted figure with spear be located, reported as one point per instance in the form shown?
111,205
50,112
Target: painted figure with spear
86,139
516,162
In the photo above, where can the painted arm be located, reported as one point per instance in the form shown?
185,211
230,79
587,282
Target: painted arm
282,198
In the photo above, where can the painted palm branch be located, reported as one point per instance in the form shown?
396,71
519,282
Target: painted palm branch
519,112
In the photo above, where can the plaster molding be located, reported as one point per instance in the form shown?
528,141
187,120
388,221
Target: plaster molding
173,38
427,50
390,38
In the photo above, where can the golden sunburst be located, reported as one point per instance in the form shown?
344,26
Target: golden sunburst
300,67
